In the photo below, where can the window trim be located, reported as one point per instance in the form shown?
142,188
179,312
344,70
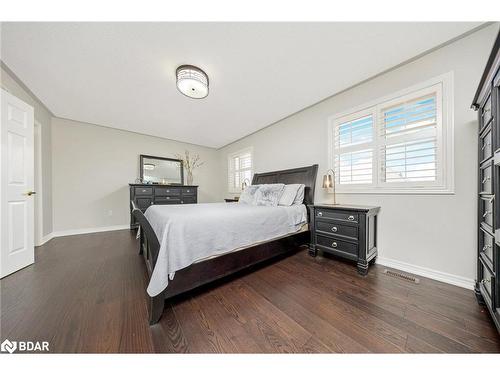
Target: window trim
230,171
445,140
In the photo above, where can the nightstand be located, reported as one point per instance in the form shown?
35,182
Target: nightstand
230,199
345,230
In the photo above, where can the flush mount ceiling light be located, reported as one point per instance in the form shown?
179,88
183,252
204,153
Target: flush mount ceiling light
192,81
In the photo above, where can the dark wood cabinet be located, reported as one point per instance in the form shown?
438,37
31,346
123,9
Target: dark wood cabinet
145,195
346,231
487,104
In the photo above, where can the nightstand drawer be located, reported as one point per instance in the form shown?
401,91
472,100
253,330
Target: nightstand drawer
338,245
337,215
337,229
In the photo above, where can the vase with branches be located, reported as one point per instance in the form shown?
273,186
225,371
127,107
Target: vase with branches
190,163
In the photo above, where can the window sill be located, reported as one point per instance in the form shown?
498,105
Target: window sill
395,192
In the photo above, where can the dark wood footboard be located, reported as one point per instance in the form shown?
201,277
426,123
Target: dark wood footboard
202,273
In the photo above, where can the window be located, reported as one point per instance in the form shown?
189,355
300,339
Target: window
240,169
402,143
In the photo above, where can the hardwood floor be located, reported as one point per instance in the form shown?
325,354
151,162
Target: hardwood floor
86,293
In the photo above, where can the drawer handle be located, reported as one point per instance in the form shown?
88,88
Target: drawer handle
334,244
486,213
334,229
320,213
485,179
188,191
486,247
350,218
168,191
168,197
182,201
484,281
144,190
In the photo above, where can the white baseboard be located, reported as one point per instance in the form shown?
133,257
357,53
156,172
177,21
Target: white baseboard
72,232
444,277
45,239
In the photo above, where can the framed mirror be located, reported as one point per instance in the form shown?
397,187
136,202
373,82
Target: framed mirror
158,170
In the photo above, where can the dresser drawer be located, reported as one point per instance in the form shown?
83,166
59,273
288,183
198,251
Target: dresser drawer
143,203
337,215
337,229
486,145
486,112
486,210
188,199
167,200
486,244
486,281
486,176
189,191
338,245
164,191
143,191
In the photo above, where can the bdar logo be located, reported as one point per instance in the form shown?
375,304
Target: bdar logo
8,346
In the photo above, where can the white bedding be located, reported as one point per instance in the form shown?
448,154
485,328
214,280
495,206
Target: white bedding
189,233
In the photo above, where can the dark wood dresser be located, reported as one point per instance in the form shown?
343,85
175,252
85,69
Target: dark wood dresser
345,230
487,103
145,195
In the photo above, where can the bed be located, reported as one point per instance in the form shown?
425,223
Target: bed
187,247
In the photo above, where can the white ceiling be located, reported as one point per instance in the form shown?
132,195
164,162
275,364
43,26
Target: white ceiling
122,75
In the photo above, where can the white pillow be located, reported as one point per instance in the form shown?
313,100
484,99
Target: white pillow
268,194
289,193
248,195
299,198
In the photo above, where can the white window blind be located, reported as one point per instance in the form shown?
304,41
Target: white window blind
408,151
240,170
353,160
400,143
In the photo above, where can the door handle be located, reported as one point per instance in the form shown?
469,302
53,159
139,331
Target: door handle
30,193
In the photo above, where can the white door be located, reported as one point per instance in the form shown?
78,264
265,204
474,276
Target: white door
16,195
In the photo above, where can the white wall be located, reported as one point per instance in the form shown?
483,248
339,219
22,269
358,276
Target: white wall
43,116
429,232
92,166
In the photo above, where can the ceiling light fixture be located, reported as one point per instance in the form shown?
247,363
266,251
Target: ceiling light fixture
192,81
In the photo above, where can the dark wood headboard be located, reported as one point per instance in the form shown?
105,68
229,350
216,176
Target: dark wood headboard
304,175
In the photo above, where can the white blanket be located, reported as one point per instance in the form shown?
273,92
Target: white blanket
189,233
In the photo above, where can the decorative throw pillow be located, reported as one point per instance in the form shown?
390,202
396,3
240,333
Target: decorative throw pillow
289,193
248,195
268,194
299,198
